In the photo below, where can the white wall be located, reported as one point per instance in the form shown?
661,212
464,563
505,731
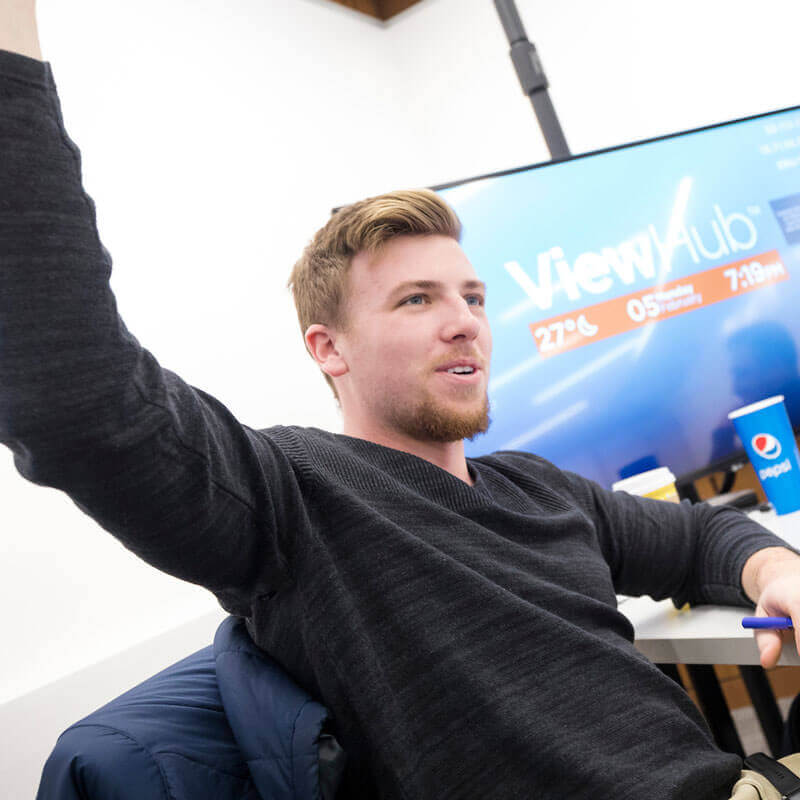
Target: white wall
215,139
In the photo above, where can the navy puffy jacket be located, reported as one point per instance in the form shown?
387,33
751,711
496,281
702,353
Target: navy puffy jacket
225,723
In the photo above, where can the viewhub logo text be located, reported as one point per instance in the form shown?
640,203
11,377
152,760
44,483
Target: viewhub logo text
598,272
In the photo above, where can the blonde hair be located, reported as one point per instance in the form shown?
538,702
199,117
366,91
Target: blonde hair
319,279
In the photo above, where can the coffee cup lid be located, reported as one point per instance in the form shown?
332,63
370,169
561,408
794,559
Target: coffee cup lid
645,482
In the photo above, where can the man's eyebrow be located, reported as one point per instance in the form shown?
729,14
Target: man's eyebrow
402,287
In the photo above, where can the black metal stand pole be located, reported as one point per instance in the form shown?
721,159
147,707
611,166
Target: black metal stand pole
531,76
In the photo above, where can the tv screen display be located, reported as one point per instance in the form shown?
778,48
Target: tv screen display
638,294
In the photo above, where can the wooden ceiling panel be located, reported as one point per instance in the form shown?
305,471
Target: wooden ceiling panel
380,9
392,7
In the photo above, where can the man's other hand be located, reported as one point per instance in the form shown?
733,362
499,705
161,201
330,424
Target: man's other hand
771,578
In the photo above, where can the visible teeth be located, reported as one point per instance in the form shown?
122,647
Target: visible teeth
461,369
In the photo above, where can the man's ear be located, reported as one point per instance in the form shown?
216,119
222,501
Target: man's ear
321,343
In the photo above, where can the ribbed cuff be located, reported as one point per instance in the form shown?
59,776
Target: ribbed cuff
24,68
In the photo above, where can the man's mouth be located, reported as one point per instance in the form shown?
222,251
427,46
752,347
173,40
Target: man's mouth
462,370
459,366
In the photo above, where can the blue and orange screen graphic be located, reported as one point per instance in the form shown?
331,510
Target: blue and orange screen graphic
638,295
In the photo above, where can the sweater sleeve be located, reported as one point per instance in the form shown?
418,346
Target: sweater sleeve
690,553
84,408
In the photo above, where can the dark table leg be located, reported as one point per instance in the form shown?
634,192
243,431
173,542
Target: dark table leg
765,705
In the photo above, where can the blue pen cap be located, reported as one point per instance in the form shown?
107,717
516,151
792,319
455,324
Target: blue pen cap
775,623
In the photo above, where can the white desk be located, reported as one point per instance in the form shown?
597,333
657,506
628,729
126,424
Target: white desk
706,634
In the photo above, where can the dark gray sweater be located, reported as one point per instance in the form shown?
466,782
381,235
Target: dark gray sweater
465,638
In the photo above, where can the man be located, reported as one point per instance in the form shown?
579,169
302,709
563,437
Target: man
458,617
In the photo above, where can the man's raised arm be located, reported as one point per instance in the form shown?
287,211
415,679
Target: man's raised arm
84,408
18,32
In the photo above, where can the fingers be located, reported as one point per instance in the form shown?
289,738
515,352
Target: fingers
770,641
769,645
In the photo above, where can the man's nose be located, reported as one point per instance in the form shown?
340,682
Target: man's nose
461,323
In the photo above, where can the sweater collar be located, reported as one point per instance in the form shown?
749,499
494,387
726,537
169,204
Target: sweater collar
423,475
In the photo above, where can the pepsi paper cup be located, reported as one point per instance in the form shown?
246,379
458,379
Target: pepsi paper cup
766,433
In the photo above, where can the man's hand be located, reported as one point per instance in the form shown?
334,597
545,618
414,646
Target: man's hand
18,31
771,578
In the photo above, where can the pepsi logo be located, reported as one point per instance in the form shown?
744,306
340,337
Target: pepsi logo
766,445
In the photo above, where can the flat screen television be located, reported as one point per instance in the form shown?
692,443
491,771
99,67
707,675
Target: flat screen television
638,294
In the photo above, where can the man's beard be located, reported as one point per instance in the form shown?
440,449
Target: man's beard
433,422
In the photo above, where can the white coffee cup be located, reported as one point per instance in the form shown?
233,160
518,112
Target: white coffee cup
656,483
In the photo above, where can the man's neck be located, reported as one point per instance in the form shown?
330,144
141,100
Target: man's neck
448,456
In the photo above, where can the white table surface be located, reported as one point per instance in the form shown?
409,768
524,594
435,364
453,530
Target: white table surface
706,634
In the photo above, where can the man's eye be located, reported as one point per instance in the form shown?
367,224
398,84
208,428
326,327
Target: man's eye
413,297
478,298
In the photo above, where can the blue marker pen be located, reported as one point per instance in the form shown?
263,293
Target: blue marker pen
767,622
